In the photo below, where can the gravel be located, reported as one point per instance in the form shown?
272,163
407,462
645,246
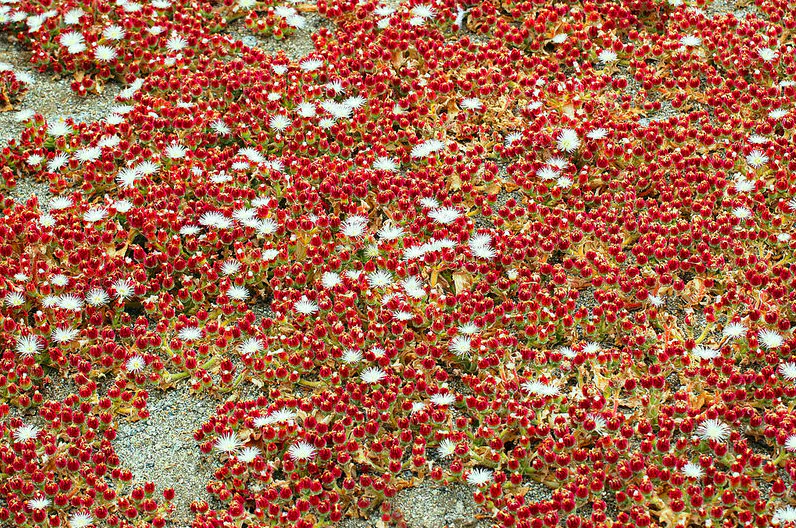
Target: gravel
296,46
162,449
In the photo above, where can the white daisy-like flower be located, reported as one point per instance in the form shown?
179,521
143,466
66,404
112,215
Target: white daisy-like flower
64,335
310,64
401,315
756,159
427,148
567,352
14,299
355,102
429,202
47,220
386,164
784,515
97,297
600,424
705,352
71,303
50,301
176,151
105,53
57,162
123,288
568,140
445,215
783,237
220,128
591,348
607,56
767,54
135,364
777,113
215,219
469,329
443,399
354,226
72,16
734,331
742,185
479,477
39,503
547,173
238,293
279,69
278,416
692,470
512,138
691,41
788,370
331,279
59,128
351,356
113,32
230,267
471,103
73,41
741,213
424,11
279,122
268,255
302,451
251,346
29,345
380,279
770,339
372,375
306,109
790,443
24,115
446,448
756,139
59,279
713,429
88,154
228,443
655,301
597,133
80,519
190,333
305,306
176,43
388,231
34,159
560,38
248,454
24,433
539,388
414,287
460,345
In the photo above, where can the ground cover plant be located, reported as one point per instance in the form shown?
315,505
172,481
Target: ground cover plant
491,243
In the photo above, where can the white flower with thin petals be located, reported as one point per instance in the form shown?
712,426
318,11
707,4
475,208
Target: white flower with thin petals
734,331
445,215
446,448
248,454
790,443
380,279
756,159
176,151
607,56
88,154
238,293
73,41
135,364
302,451
59,128
228,443
280,123
597,133
176,43
479,477
29,345
424,11
64,335
123,289
388,231
354,226
770,339
331,279
215,219
512,138
24,433
428,147
372,375
251,346
305,306
539,388
471,103
443,399
105,53
560,38
80,519
351,356
14,299
460,345
190,333
788,370
568,140
777,113
39,503
713,429
306,109
70,303
691,41
309,65
547,173
767,54
705,352
386,164
266,226
113,32
692,470
784,515
220,128
414,287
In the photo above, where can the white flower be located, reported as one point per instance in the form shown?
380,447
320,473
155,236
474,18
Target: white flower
560,38
424,11
306,109
59,279
190,333
228,443
386,164
783,515
135,364
280,123
742,185
607,56
176,43
372,375
444,215
446,448
238,293
591,348
220,128
790,443
692,470
541,389
428,147
39,503
429,202
80,520
443,399
568,140
24,115
655,301
64,335
71,303
691,41
734,331
176,151
124,289
278,416
248,454
460,345
704,352
269,255
597,133
105,53
390,232
354,226
309,65
767,54
305,306
88,154
73,41
547,173
713,429
770,339
351,356
599,423
756,159
380,279
59,128
777,113
302,451
512,138
113,32
25,432
330,279
215,219
46,220
479,477
567,352
72,16
14,299
414,287
788,370
28,345
472,103
783,237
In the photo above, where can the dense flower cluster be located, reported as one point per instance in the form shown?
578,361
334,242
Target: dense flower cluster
490,243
